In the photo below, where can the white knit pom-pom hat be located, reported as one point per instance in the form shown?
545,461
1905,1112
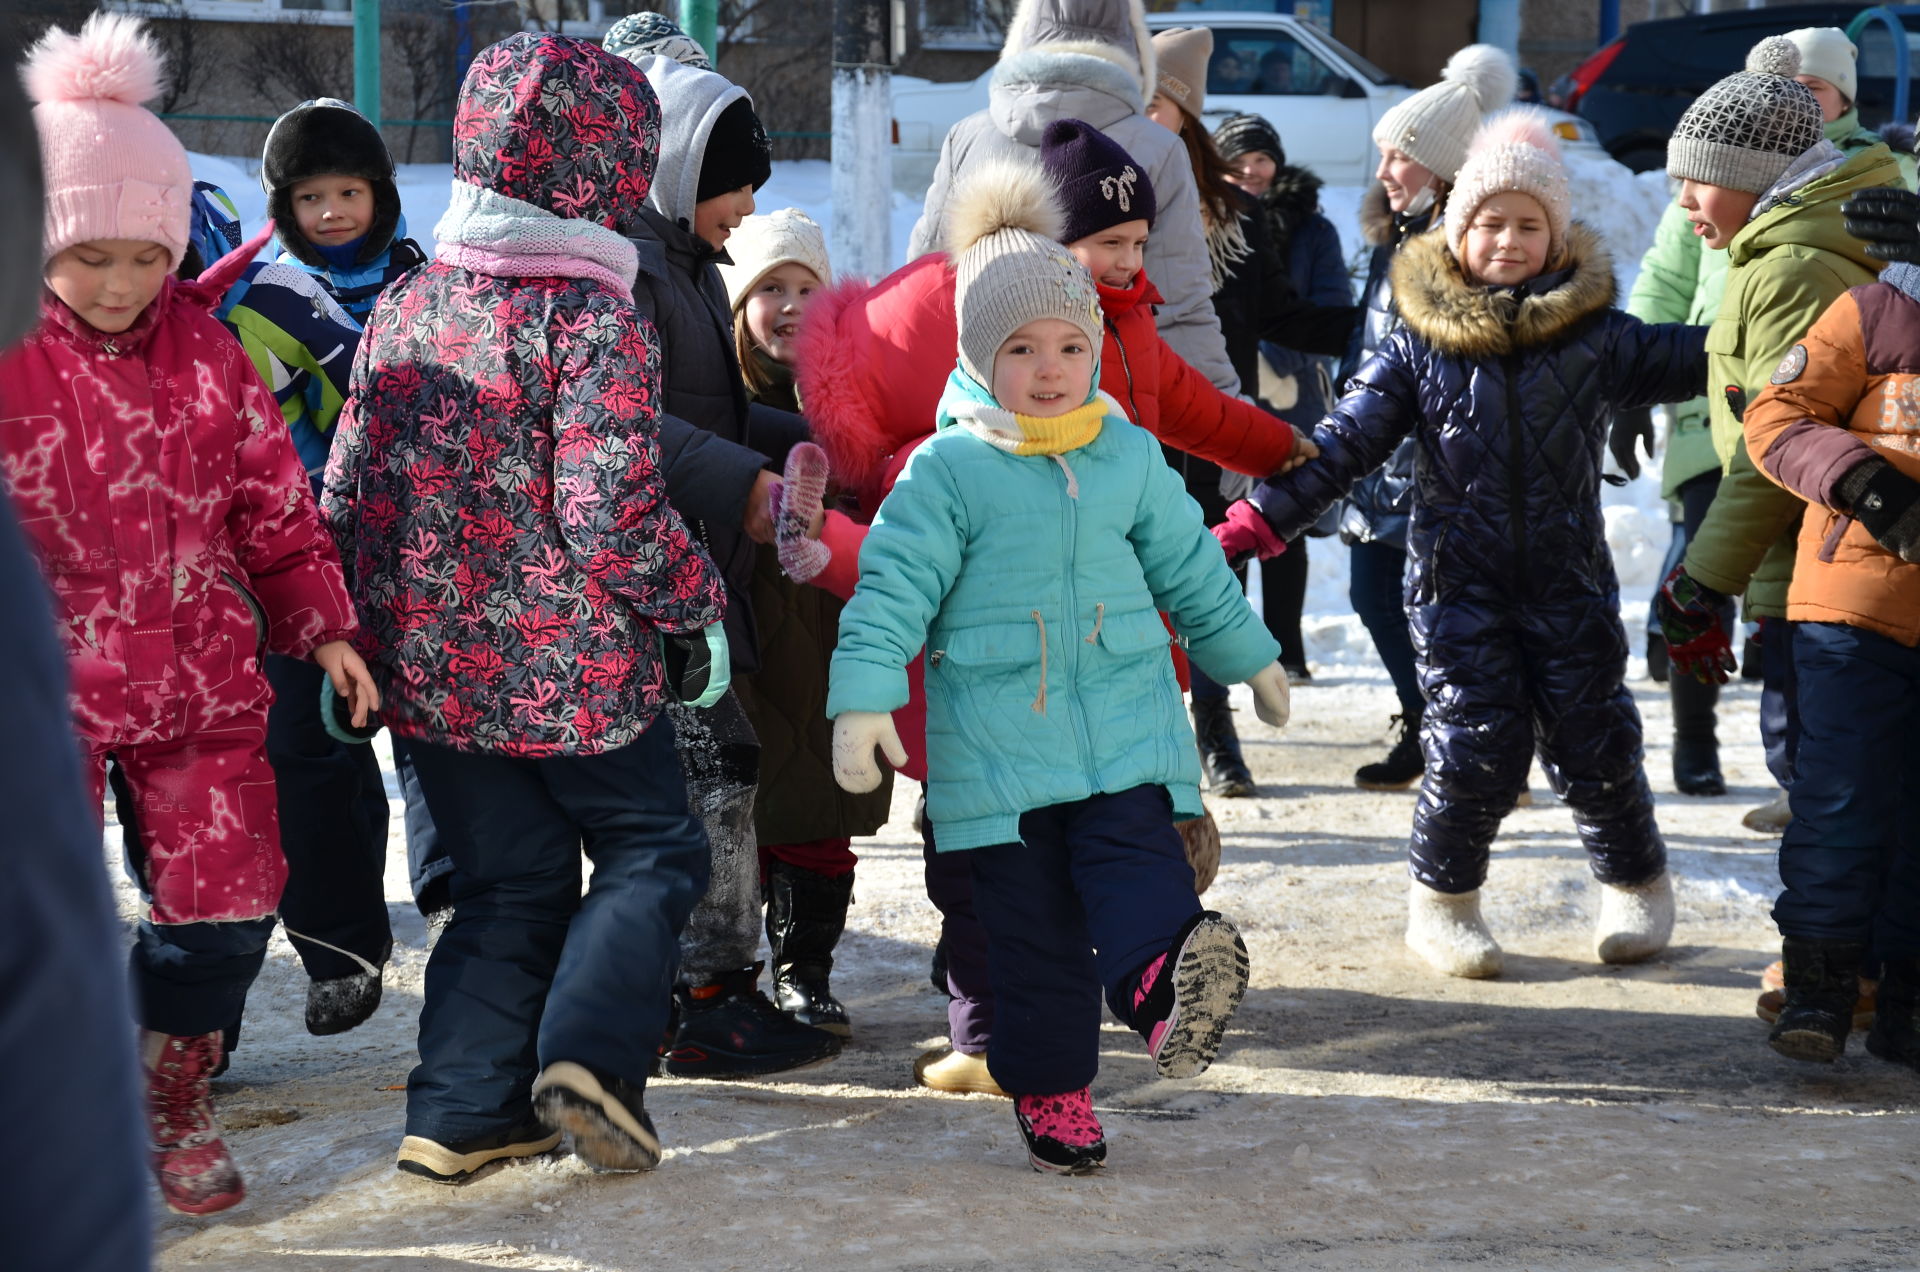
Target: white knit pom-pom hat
1745,131
1514,150
1435,126
113,169
761,244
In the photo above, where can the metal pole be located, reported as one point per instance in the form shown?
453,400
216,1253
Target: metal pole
862,139
701,20
1609,20
366,58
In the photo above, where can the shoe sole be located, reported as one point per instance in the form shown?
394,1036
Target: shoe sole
1078,1168
724,1065
1810,1046
985,1087
1235,790
606,1134
1409,784
1209,979
212,1205
436,1162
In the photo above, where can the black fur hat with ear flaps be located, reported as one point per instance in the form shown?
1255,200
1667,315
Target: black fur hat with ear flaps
326,137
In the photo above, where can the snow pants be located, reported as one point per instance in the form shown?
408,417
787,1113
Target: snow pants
1377,588
528,972
1091,893
1501,680
721,756
1780,699
1850,860
969,982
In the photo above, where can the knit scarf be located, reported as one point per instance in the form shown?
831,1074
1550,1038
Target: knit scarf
496,234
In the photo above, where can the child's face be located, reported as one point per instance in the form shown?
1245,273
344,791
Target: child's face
332,209
715,219
1507,241
1254,172
1403,178
1716,212
1832,103
1113,255
1164,111
774,307
1044,369
109,282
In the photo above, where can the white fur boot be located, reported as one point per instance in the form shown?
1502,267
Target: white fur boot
1445,928
1635,922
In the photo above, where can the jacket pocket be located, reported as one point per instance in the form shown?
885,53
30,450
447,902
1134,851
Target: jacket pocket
255,610
1134,715
984,718
1835,532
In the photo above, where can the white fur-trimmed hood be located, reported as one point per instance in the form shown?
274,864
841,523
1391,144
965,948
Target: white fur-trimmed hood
1065,41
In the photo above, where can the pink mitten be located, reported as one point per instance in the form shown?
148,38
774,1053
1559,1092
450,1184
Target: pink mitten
799,502
1246,533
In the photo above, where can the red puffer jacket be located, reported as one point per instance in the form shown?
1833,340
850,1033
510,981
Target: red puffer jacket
157,480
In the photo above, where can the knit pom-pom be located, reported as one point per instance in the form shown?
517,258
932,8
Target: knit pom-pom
1487,71
113,59
1002,195
1775,55
1516,125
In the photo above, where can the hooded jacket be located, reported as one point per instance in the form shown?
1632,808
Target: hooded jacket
496,477
1091,60
302,344
1785,267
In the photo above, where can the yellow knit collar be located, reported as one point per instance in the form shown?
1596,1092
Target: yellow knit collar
1035,435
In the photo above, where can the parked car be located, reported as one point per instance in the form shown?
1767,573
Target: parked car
1635,88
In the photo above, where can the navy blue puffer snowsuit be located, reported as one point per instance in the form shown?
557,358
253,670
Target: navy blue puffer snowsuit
1513,597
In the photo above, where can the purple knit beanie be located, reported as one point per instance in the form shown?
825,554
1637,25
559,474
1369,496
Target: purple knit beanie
1100,184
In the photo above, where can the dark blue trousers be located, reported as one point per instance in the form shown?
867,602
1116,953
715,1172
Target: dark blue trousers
528,972
428,864
1093,892
1779,699
1377,587
1850,861
969,982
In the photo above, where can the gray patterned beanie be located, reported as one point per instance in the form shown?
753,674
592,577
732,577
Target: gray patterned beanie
1745,131
639,34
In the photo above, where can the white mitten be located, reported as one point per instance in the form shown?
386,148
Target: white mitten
1270,700
855,735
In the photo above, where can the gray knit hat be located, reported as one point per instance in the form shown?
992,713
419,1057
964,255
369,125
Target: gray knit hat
1009,267
640,34
1745,131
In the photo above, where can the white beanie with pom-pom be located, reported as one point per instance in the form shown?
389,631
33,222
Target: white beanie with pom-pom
1435,126
113,169
1514,150
1745,131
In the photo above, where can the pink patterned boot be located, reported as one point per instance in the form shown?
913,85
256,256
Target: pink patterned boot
1063,1136
1187,995
191,1162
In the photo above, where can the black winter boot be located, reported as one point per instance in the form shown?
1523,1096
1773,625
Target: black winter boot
1823,980
1403,765
729,1029
1696,750
806,912
1895,1034
1220,756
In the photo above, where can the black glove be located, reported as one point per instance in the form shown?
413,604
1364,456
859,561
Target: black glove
1631,424
1887,502
1887,220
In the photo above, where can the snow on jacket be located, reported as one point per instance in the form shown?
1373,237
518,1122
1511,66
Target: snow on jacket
1507,394
1785,267
874,358
1850,391
1091,60
1033,581
152,473
496,476
302,344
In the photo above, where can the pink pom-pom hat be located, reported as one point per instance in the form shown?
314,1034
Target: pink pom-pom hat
1514,150
113,169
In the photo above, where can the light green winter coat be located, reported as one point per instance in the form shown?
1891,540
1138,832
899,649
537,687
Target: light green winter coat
1784,268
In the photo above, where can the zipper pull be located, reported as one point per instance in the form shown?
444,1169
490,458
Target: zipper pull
933,659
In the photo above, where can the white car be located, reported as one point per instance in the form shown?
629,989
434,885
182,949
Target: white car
1321,96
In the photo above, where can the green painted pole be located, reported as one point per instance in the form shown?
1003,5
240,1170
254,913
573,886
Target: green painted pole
701,20
366,58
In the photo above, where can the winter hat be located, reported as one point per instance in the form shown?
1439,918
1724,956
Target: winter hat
320,138
1241,134
762,244
1008,263
1435,126
641,35
1829,54
738,153
1180,58
1746,130
113,170
1099,183
1113,31
1514,150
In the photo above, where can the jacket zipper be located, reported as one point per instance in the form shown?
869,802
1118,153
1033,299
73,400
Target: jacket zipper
1071,653
1126,369
1516,477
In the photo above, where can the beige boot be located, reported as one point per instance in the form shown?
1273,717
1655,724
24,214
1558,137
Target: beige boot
956,1072
1635,922
1445,928
1771,818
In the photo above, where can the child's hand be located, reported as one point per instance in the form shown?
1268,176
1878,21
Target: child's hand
351,679
855,735
1303,450
1271,699
758,521
800,514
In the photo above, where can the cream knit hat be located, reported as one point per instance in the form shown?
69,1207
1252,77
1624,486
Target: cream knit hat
1180,56
1745,131
1435,125
1009,267
1829,54
762,244
1514,150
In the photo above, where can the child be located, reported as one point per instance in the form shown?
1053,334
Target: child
1027,546
1508,365
180,542
496,480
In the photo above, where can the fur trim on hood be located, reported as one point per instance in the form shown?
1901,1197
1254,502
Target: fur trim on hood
1458,318
1002,194
1112,31
829,374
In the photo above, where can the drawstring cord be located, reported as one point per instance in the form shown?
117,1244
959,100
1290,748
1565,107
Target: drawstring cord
1040,699
1073,483
1099,617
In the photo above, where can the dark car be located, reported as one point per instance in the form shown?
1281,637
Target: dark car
1635,88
